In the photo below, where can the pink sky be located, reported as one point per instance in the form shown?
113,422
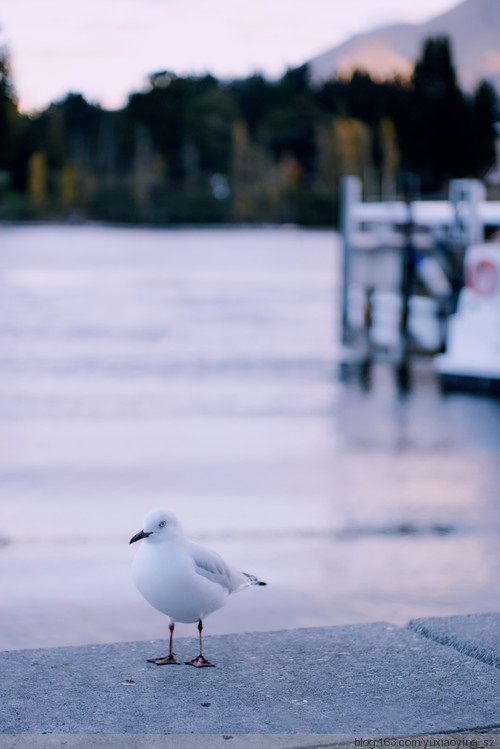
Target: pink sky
106,48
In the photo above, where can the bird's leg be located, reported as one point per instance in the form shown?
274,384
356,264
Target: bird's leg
170,658
200,661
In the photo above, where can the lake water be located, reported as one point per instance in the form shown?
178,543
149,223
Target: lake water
197,369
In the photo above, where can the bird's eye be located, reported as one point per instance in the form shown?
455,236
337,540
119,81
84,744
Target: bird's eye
163,524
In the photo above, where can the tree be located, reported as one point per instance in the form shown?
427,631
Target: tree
254,97
485,113
437,123
10,120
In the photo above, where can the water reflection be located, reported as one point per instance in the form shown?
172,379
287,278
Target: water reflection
199,370
361,370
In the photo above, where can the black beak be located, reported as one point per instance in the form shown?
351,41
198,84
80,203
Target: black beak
138,537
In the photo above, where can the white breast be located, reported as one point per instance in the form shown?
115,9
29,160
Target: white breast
166,576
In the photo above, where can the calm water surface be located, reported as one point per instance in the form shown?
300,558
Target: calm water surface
198,370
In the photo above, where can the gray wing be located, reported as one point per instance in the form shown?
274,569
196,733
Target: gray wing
209,564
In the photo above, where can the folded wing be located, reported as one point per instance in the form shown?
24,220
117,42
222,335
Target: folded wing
209,564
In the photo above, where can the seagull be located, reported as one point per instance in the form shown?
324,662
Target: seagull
183,580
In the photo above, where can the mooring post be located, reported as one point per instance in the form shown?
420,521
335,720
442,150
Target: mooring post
350,196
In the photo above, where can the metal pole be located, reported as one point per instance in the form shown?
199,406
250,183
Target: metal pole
350,194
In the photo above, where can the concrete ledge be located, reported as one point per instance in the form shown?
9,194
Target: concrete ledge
137,741
247,741
477,635
373,679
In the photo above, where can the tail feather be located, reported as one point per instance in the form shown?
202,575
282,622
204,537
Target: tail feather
252,580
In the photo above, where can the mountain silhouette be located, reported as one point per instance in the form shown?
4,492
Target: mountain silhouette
472,26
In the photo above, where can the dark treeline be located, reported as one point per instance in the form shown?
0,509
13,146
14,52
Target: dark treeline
200,150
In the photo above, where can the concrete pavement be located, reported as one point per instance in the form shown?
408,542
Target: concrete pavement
477,635
358,680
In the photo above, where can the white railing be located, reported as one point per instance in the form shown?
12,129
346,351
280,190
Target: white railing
377,236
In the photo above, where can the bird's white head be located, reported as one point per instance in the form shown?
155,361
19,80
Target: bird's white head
159,526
